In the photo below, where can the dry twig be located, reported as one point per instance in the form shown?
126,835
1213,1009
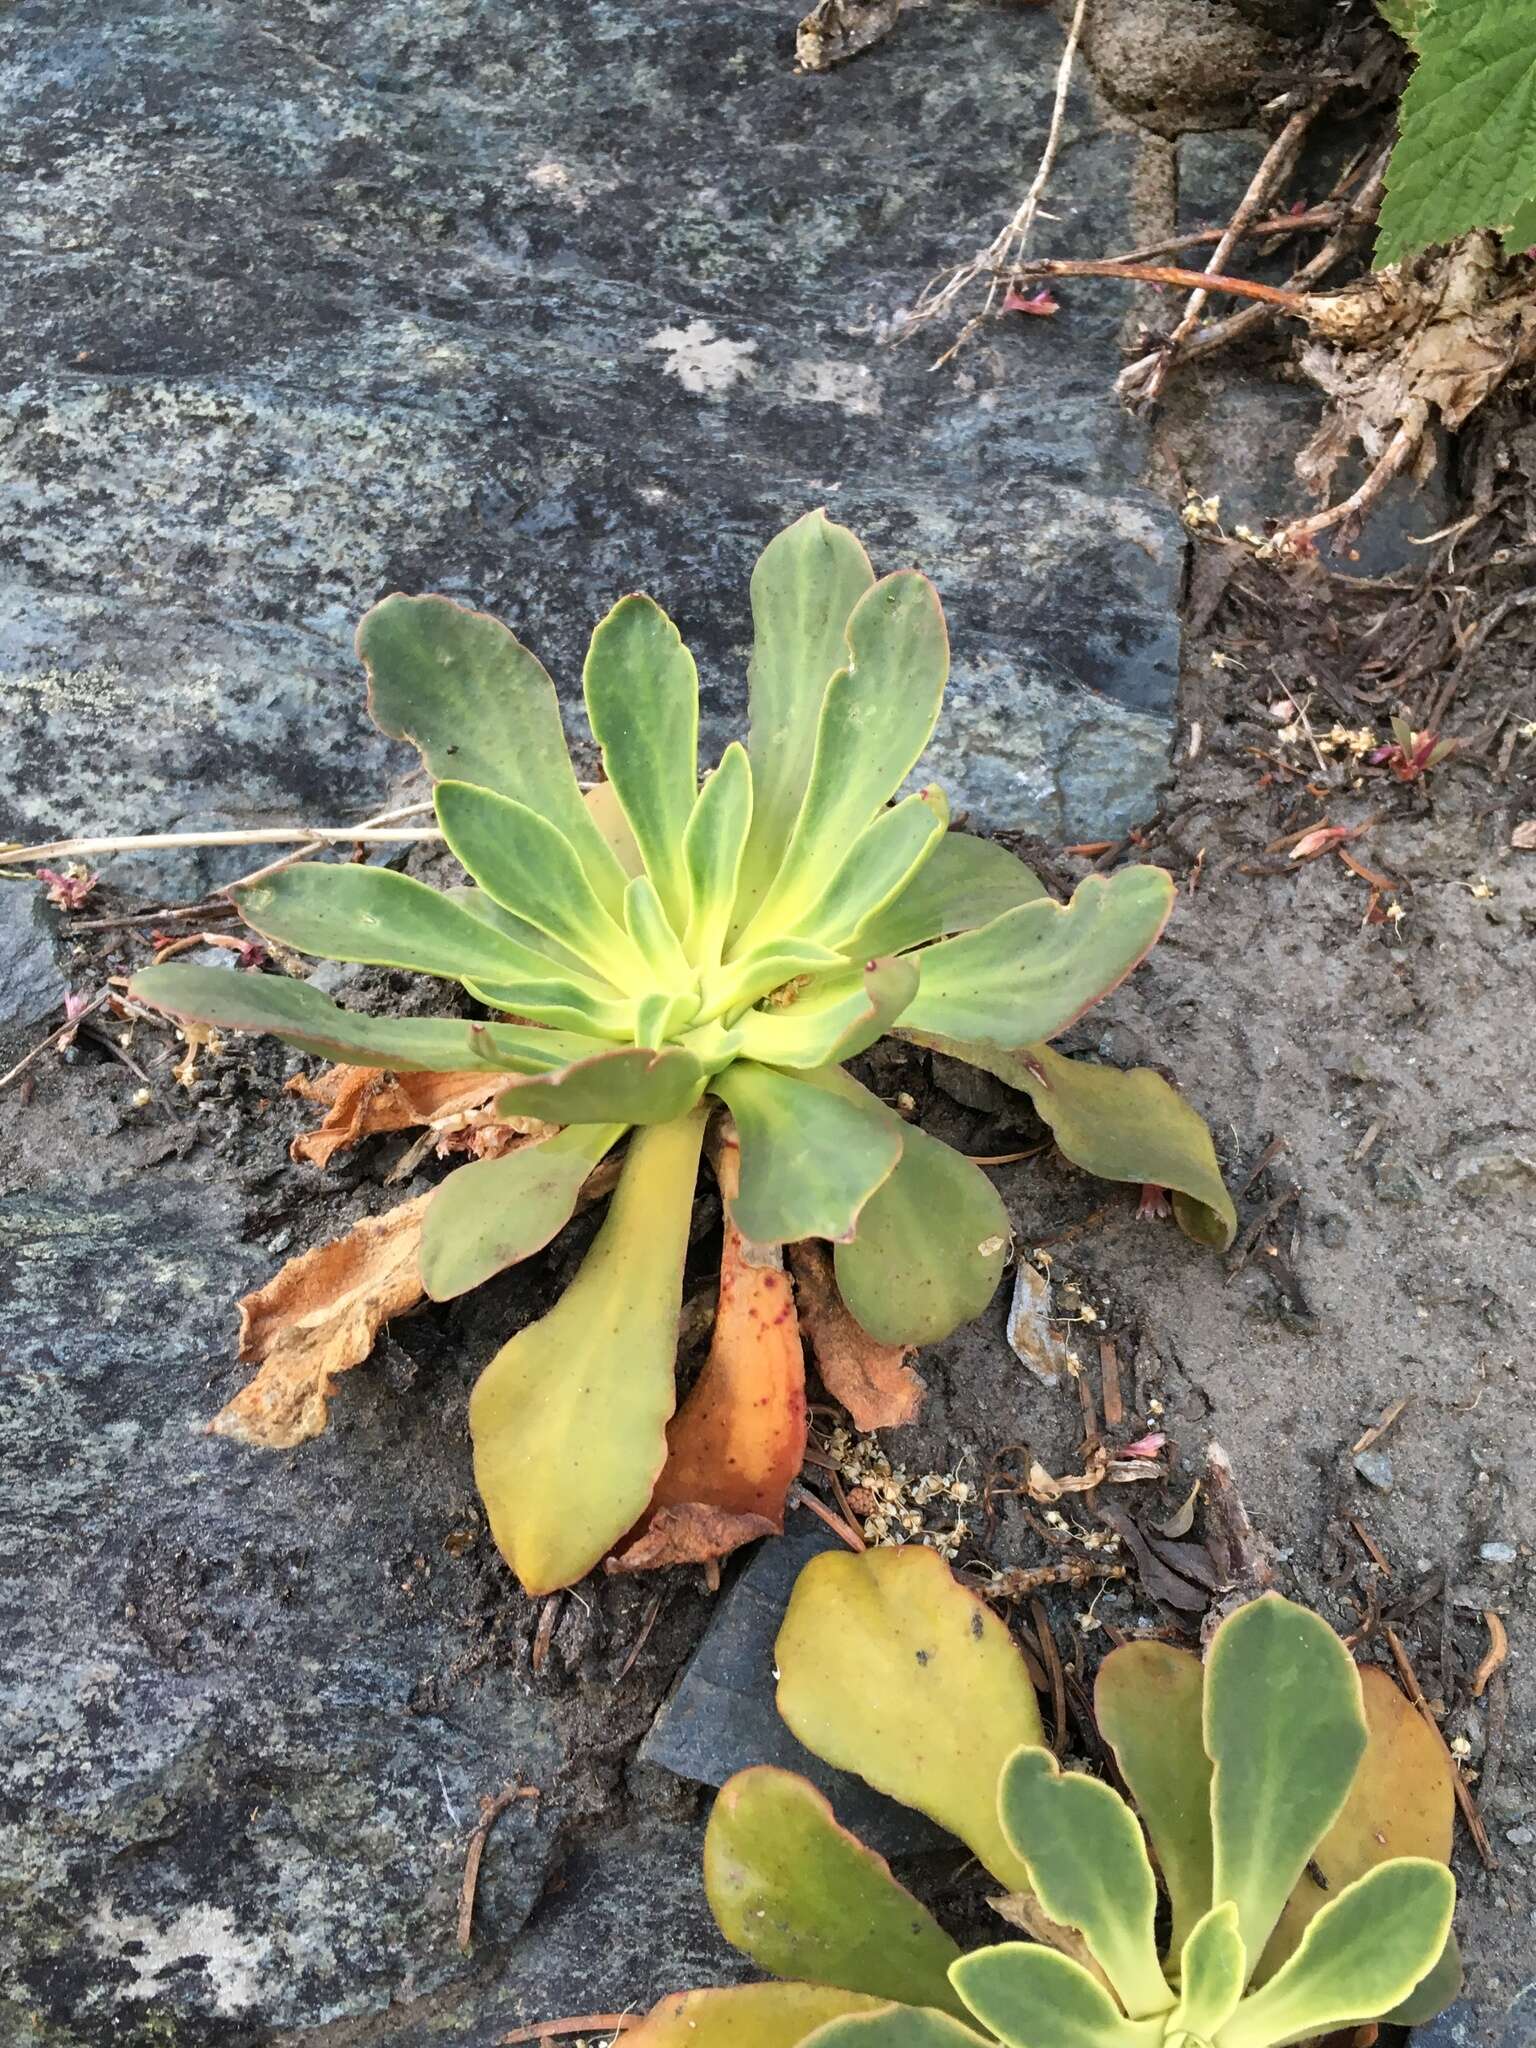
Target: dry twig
491,1811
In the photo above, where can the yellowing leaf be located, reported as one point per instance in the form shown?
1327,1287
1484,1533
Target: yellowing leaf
748,2016
315,1319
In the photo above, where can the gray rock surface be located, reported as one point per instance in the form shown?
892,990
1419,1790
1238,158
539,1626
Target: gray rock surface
32,984
533,304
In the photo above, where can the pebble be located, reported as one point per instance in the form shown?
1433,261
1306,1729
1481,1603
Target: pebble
1493,1553
1375,1468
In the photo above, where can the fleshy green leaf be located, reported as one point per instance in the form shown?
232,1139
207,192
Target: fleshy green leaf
836,1018
494,1212
745,2016
642,693
607,814
381,919
876,718
897,2026
1031,1997
569,1004
1463,158
1401,1803
1030,972
1364,1953
1433,1993
481,709
885,857
1088,1867
655,940
806,583
964,883
804,1898
563,963
810,1159
1212,1972
713,848
889,1667
729,990
931,1243
628,1084
569,1418
1149,1702
525,865
301,1015
1126,1126
1285,1732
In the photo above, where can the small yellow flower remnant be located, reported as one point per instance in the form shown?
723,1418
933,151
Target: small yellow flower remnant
1201,514
1344,739
1249,538
141,1098
1460,1748
1482,889
198,1038
895,1506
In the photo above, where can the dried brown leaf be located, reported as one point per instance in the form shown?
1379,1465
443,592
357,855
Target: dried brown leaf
314,1319
364,1101
1524,836
1030,1335
689,1532
873,1381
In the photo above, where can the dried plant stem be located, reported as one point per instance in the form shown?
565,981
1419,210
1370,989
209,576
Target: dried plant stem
1005,252
1166,273
274,835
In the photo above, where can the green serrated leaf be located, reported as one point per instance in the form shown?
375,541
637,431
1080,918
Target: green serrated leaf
745,2016
1285,1732
1032,971
1126,1126
806,583
896,2026
836,1018
964,883
524,864
1362,1955
931,1243
1031,1997
876,718
642,693
1088,1867
479,708
810,1160
1463,158
889,1667
713,848
1149,1703
559,1489
620,1085
885,858
302,1016
804,1898
1212,1972
493,1213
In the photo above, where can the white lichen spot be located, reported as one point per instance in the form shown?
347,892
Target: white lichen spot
564,184
851,387
704,363
234,1963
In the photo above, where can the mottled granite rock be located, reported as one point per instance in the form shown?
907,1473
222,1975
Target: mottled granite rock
32,984
534,304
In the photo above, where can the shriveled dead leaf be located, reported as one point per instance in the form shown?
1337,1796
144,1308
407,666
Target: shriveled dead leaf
1101,1470
316,1318
736,1445
361,1102
1023,1910
873,1381
1523,838
1030,1336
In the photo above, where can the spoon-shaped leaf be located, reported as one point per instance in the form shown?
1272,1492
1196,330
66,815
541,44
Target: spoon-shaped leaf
744,2016
810,1160
897,2026
1285,1732
730,990
656,942
1212,1972
883,860
524,864
1128,1126
607,814
301,1015
931,1242
1088,1867
493,1213
1149,1701
889,1667
1363,1953
642,693
804,1898
807,581
627,1084
560,1486
1032,1997
1030,972
714,845
480,709
838,1016
876,718
965,882
562,961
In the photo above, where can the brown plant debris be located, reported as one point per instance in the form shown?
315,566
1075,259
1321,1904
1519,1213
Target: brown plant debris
836,30
873,1381
362,1102
316,1318
491,1811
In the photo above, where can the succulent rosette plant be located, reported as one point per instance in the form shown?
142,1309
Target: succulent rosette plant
656,947
1287,1875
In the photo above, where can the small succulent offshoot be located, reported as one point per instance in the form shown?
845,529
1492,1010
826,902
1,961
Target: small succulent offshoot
656,947
1287,1875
